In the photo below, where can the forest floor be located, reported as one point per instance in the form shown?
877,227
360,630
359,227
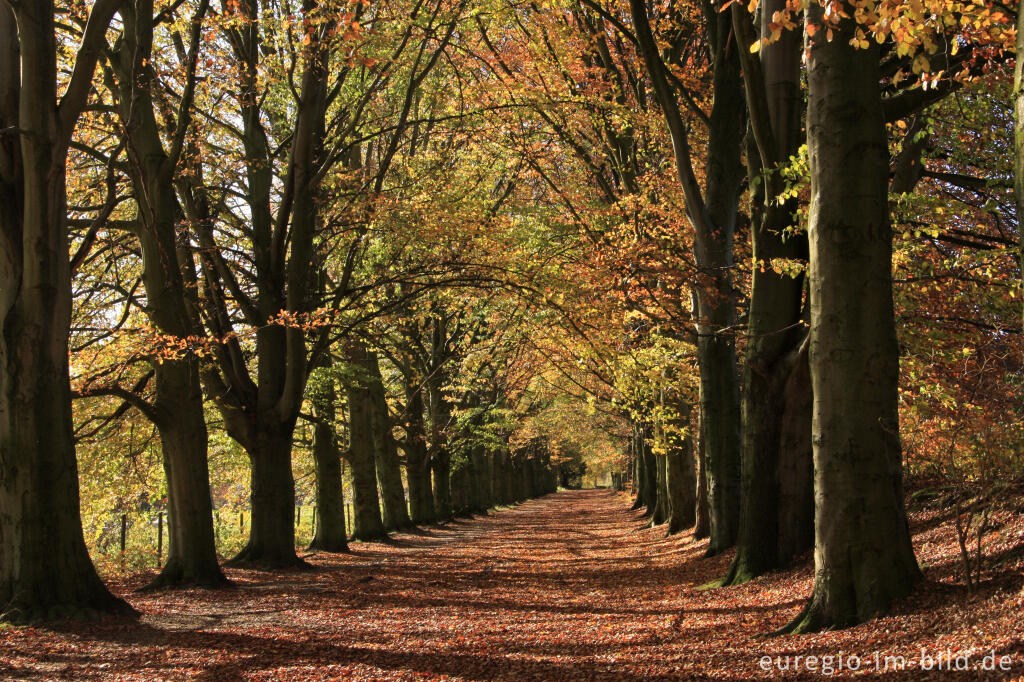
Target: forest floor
569,586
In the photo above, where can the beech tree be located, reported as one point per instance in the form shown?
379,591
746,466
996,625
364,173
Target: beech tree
45,570
863,557
712,211
417,454
394,510
368,524
168,270
776,516
1018,139
260,412
331,533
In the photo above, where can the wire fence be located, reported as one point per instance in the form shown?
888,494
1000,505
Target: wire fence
139,540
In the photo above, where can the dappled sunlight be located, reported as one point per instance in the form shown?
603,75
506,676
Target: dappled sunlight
567,586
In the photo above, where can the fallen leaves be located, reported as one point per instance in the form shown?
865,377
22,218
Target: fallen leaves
570,586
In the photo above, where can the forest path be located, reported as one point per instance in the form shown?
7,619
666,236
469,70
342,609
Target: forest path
565,587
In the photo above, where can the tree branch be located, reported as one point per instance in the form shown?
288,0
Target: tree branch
73,101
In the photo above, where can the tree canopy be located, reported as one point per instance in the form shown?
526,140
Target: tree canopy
282,273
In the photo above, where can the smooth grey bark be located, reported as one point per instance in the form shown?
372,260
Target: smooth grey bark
712,212
509,480
367,523
502,477
272,498
192,554
481,495
260,411
440,467
177,410
330,533
702,527
417,458
680,475
394,511
639,473
654,492
777,509
661,506
521,475
716,350
460,483
863,556
795,470
496,474
440,416
45,570
536,478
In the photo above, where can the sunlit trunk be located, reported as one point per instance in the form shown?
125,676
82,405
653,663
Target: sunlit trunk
863,556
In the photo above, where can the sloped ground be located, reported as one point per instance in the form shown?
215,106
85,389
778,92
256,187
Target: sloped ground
571,586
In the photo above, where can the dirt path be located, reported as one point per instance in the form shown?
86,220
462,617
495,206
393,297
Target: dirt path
571,586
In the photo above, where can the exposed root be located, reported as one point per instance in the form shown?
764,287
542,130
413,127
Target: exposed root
19,612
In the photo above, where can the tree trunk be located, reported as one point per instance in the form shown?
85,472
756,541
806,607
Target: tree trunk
631,474
713,217
716,351
498,478
45,570
460,477
1018,137
509,480
330,494
440,457
720,424
260,412
480,494
527,476
417,460
639,473
702,526
776,518
272,532
650,472
440,466
367,522
501,474
863,555
521,466
192,553
389,471
661,507
795,476
180,417
680,475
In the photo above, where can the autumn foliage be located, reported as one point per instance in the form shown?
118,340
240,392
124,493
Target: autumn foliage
341,302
